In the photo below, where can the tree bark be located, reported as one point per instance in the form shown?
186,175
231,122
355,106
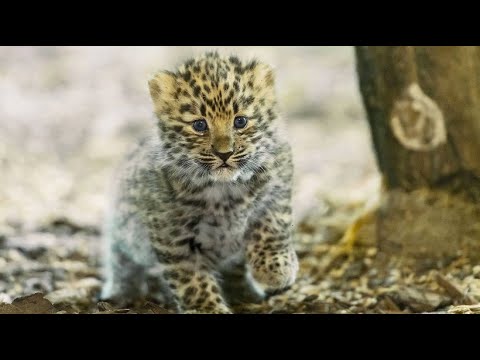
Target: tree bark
423,107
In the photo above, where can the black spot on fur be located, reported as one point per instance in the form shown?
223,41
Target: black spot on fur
194,246
171,274
190,291
185,108
234,60
196,91
187,76
239,70
248,101
251,65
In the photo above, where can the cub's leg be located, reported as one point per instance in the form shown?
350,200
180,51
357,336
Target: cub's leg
127,256
189,275
194,288
237,283
270,251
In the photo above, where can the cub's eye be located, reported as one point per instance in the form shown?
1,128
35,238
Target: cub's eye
240,122
200,125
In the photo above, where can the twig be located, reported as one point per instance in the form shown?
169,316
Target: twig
453,291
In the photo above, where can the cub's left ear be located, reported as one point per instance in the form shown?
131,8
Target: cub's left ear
162,89
264,75
263,79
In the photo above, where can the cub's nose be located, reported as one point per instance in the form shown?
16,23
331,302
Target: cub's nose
222,155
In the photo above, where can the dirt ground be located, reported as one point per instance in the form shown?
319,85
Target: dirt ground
67,116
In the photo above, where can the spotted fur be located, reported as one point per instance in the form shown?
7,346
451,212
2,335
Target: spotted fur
212,228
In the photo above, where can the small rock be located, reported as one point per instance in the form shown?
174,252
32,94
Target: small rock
370,302
34,304
354,270
104,306
476,271
465,309
69,309
418,299
9,309
156,309
310,298
320,307
371,252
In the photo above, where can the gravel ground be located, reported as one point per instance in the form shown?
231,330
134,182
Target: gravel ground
67,116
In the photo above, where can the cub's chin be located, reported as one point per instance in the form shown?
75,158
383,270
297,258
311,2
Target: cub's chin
224,174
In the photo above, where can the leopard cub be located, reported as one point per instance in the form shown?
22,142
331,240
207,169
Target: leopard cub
206,199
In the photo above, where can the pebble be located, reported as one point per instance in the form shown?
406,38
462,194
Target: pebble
371,252
476,270
310,298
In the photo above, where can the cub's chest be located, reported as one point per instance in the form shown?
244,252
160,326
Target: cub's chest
224,219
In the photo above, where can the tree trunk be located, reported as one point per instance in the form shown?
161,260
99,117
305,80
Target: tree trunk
423,107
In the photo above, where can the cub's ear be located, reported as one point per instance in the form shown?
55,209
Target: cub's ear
162,89
263,81
264,76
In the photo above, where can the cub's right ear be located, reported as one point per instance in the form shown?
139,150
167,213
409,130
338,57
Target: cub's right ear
162,89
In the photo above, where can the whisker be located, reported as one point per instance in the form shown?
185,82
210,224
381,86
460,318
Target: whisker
240,156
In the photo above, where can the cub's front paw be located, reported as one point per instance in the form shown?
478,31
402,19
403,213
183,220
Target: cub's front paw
275,272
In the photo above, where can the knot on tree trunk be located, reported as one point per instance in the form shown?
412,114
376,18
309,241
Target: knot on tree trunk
416,121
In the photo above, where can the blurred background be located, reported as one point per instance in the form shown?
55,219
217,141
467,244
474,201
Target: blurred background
69,114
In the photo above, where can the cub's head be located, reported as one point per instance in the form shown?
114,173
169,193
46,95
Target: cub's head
216,116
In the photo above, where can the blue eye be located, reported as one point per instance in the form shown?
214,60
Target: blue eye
240,122
200,125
